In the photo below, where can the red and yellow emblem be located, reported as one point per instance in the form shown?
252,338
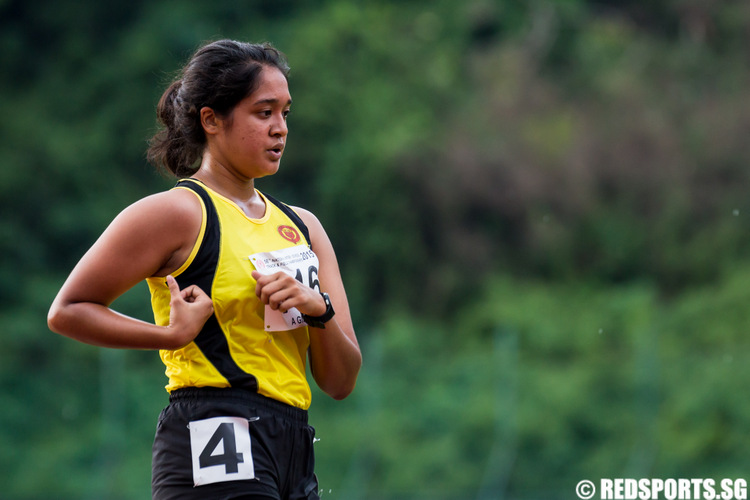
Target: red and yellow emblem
289,233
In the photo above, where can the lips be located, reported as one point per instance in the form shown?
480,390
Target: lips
276,151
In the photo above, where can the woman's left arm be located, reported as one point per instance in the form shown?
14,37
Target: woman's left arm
335,357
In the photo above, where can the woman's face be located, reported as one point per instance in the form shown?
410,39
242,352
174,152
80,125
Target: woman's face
251,140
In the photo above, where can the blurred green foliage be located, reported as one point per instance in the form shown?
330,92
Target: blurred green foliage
540,210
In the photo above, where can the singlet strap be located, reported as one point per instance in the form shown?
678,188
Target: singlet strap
293,216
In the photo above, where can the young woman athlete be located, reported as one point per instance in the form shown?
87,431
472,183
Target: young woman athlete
243,287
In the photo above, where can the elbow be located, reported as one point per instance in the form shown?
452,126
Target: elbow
54,318
59,317
341,393
339,389
337,376
345,385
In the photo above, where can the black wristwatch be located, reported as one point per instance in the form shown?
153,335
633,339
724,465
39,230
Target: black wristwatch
320,321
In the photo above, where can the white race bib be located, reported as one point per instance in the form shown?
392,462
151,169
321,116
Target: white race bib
298,262
221,450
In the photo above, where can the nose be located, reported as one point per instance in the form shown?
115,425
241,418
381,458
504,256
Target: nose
279,127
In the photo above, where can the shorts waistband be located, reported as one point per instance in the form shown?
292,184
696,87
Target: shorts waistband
231,393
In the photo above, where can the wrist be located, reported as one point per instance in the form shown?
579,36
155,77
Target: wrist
321,320
175,337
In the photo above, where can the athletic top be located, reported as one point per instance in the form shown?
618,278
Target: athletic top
241,345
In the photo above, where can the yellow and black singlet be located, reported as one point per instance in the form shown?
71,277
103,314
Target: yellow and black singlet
235,348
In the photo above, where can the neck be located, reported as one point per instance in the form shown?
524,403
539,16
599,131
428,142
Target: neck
240,191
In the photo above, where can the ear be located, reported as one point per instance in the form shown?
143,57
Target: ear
210,122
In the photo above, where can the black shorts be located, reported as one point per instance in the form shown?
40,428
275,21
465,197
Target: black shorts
222,444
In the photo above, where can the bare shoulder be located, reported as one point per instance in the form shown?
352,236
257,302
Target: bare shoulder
319,240
307,216
174,206
166,213
317,233
161,228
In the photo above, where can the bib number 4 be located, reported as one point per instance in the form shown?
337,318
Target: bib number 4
221,450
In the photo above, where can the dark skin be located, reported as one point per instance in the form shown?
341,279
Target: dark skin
162,229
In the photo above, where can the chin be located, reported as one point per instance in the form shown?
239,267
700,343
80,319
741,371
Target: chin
270,170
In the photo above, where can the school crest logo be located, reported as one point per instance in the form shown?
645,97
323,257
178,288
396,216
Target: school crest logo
289,233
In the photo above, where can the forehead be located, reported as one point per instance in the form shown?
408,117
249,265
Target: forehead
272,86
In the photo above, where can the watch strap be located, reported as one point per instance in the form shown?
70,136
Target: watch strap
320,321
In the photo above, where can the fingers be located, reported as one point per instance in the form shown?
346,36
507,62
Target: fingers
276,293
279,290
189,310
174,288
282,292
265,284
193,293
189,294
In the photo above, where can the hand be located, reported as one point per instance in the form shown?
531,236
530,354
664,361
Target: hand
189,310
282,292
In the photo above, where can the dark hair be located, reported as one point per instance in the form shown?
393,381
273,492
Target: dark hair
219,75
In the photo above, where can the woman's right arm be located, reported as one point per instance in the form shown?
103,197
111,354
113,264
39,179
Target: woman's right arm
152,237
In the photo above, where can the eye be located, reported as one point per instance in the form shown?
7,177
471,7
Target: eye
285,113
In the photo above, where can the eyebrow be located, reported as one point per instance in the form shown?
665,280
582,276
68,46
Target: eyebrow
270,101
